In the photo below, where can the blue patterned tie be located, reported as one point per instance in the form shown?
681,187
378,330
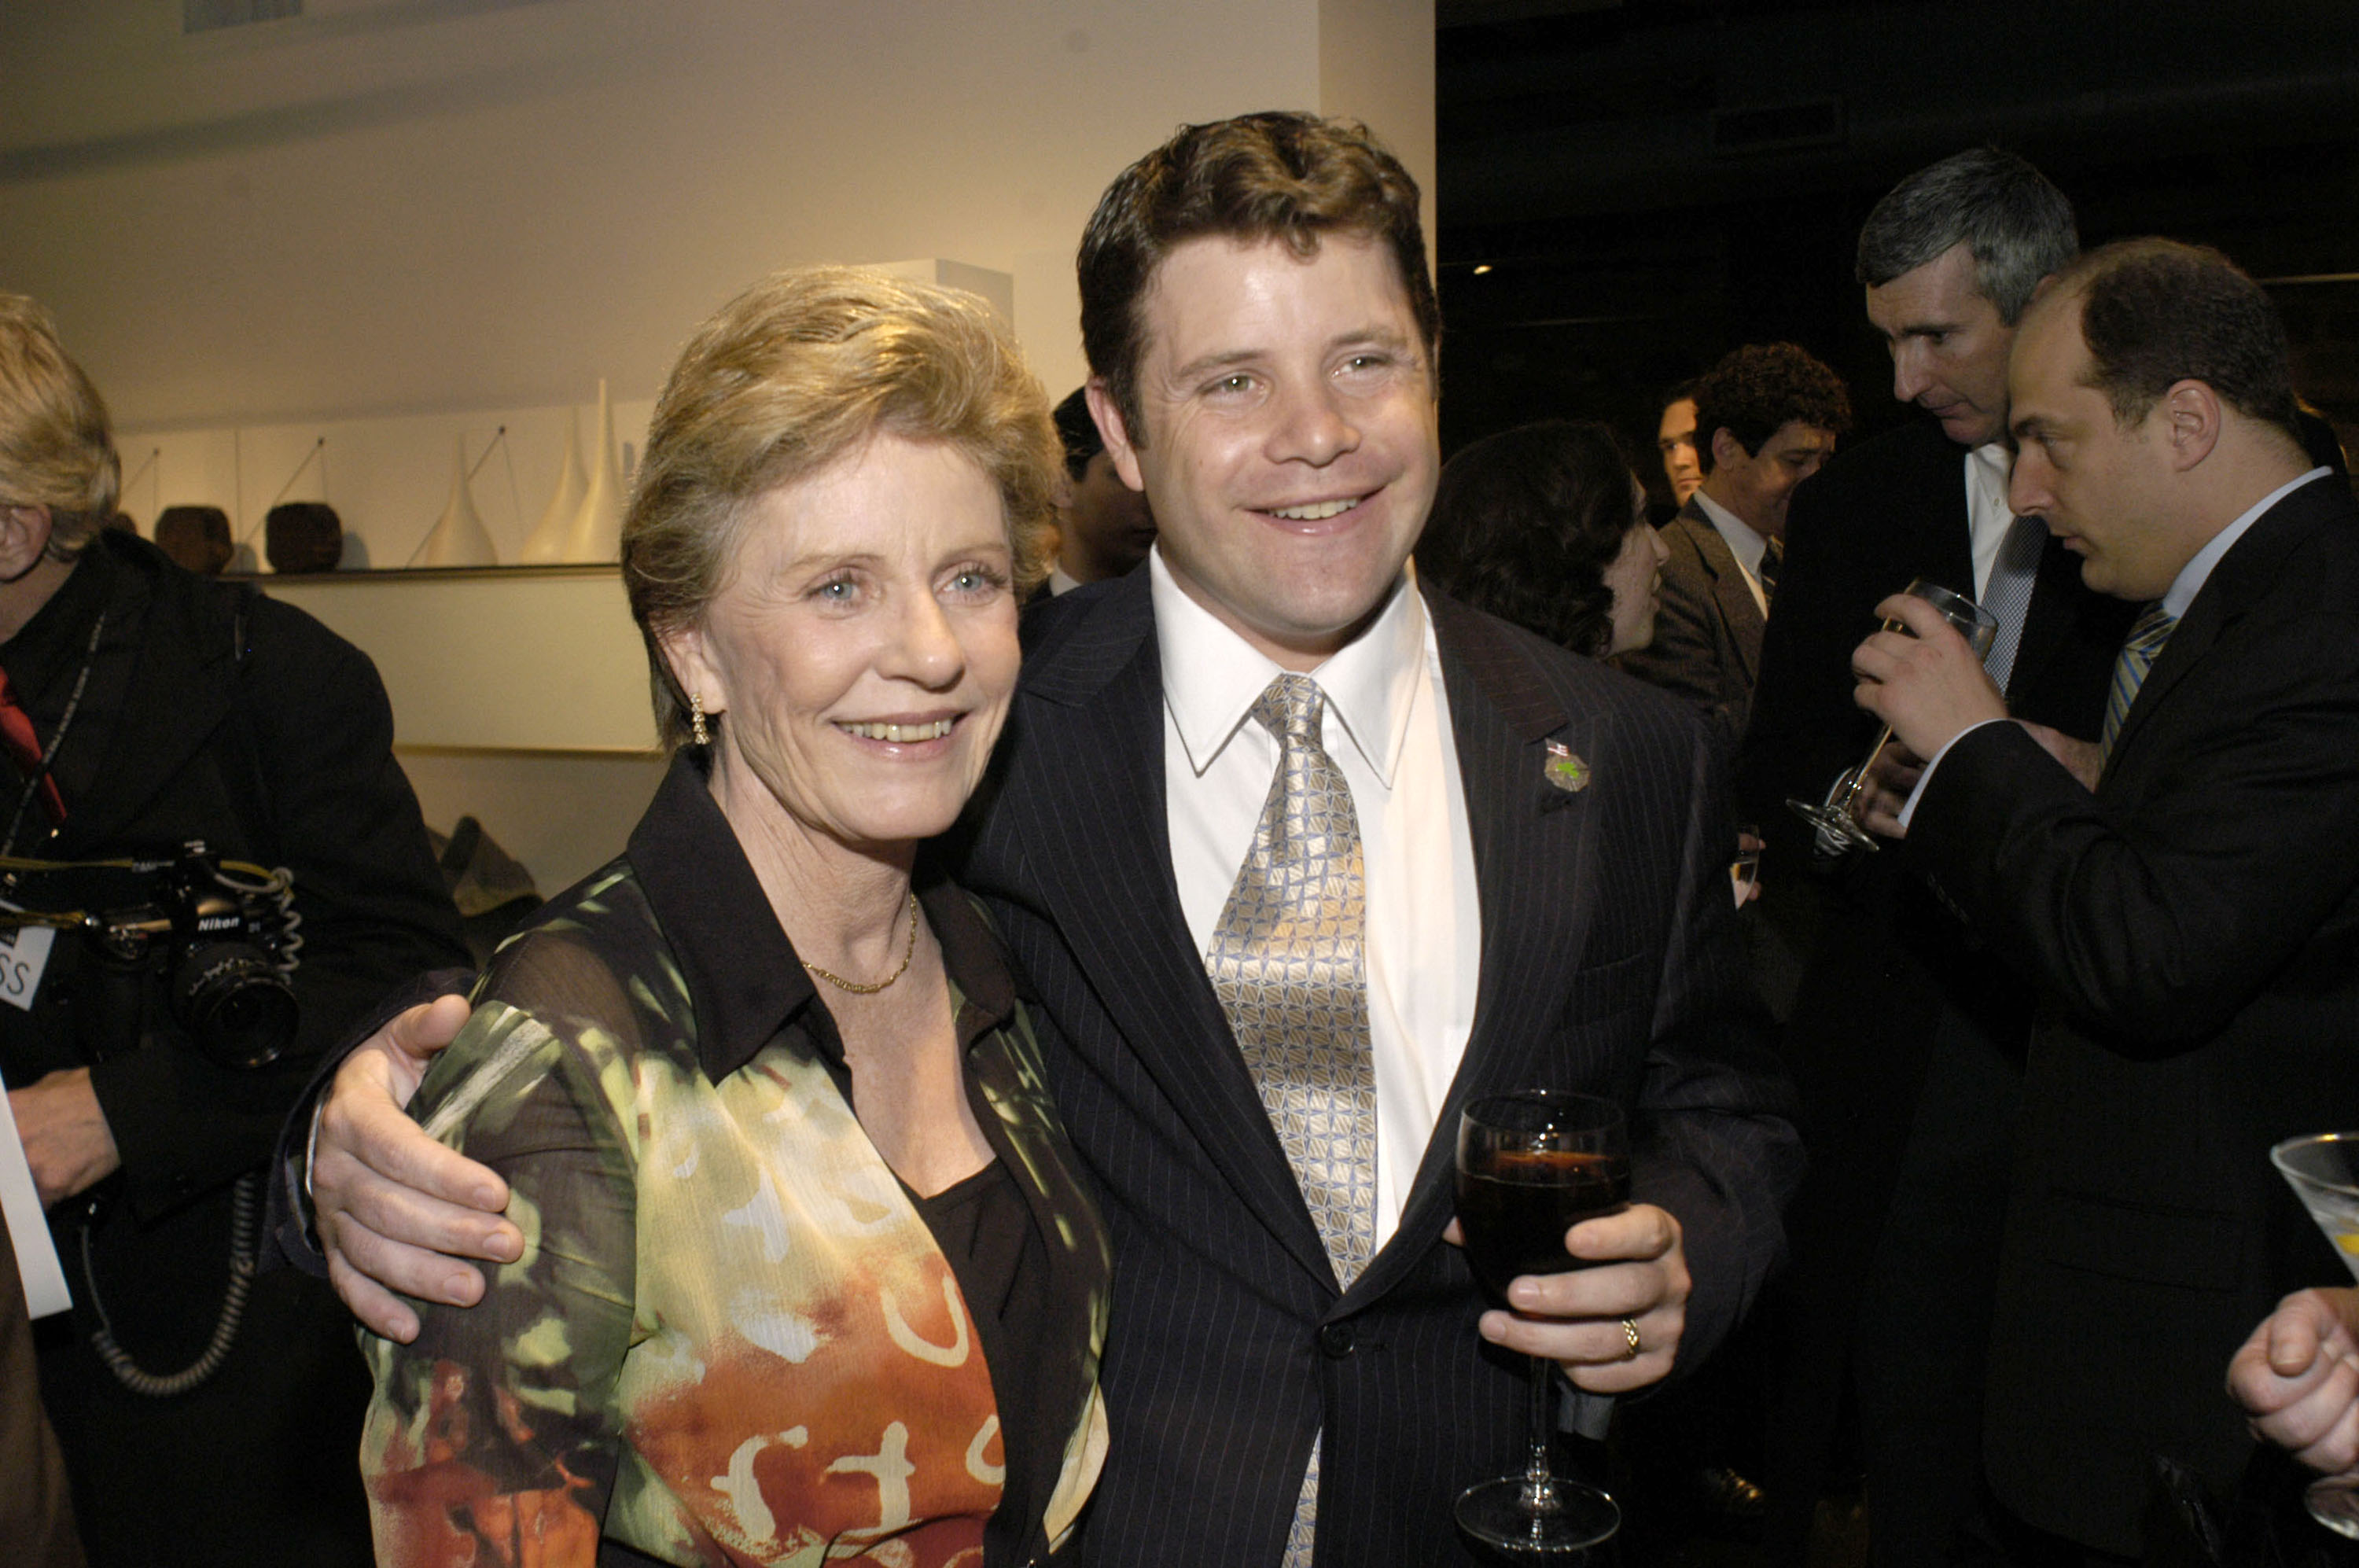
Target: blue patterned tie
2147,635
1287,962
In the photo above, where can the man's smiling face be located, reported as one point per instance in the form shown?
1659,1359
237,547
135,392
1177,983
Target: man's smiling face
1290,443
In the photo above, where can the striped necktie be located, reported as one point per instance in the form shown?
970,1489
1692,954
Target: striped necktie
1288,964
1773,559
2009,595
2150,631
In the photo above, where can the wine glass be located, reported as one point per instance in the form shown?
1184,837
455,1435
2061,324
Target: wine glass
2325,1172
1838,817
1531,1165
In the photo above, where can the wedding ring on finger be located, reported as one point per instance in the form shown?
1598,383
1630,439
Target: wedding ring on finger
1629,1339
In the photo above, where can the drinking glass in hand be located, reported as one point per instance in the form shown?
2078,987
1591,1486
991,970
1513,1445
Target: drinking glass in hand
1530,1167
1837,818
2325,1172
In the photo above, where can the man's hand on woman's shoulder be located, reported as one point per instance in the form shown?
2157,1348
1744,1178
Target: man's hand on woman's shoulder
395,1210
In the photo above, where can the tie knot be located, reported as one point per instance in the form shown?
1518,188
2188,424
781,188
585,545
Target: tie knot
2152,628
1290,708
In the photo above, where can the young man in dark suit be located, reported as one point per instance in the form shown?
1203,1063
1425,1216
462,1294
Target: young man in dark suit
1767,417
1300,1362
2182,880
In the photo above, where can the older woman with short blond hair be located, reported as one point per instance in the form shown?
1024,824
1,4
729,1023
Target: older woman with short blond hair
808,1272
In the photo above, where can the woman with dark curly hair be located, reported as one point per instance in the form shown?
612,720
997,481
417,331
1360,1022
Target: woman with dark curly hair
1546,525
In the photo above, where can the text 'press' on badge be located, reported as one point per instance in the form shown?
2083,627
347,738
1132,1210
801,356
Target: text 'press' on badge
23,954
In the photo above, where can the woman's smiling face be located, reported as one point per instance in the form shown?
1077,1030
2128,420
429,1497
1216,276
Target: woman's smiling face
863,648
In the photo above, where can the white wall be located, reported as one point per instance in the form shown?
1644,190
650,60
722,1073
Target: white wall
447,208
422,204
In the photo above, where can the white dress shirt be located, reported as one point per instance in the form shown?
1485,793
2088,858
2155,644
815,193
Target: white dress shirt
1387,728
2181,593
1744,542
1988,516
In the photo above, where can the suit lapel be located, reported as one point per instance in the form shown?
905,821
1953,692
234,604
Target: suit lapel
2248,569
1090,795
1730,589
1532,843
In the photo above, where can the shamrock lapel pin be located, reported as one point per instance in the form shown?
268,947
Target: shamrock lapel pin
1564,770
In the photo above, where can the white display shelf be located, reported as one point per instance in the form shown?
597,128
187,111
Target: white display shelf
534,658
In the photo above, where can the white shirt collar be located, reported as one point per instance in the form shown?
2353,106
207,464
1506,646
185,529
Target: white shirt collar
1211,677
1060,582
2196,572
1744,542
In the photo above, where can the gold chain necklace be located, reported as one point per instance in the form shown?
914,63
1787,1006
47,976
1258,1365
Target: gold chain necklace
858,989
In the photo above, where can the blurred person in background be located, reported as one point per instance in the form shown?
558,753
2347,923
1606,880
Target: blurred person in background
206,1416
1675,442
1103,526
1767,417
1546,525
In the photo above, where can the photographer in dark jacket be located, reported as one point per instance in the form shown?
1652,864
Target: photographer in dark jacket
144,708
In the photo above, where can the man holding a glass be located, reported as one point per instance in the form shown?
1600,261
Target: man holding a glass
1525,865
2184,885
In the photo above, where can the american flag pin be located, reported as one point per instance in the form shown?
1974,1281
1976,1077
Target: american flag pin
1564,770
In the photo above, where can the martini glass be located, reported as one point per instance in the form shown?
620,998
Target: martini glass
2323,1169
1838,817
1530,1167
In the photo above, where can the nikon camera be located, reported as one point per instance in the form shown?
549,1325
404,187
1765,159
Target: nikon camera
212,948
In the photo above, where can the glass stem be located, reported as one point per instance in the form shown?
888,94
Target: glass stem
1859,779
1539,1497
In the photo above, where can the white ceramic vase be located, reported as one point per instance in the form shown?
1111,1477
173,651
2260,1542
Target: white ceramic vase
598,526
459,538
546,544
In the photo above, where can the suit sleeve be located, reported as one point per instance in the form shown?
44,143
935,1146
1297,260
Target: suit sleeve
337,812
2158,916
1712,1139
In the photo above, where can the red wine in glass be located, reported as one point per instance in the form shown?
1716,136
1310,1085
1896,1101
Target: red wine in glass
1530,1167
1515,1209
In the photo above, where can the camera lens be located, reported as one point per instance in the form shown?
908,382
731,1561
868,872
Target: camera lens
234,1004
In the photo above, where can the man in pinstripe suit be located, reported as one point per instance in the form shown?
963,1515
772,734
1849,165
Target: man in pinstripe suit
1546,899
1260,332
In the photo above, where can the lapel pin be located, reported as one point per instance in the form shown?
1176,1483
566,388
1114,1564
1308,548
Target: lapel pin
1564,770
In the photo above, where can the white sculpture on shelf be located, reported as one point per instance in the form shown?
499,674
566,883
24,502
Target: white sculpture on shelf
460,538
549,537
598,526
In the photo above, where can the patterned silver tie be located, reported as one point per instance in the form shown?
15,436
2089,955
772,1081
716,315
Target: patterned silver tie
1286,961
2148,634
2008,596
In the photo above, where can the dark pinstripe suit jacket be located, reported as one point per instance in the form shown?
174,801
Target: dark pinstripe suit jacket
1609,964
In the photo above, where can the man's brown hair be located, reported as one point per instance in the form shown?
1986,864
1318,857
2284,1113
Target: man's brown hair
1758,390
2155,313
1273,176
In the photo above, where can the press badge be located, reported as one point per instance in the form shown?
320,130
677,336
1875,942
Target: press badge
23,954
